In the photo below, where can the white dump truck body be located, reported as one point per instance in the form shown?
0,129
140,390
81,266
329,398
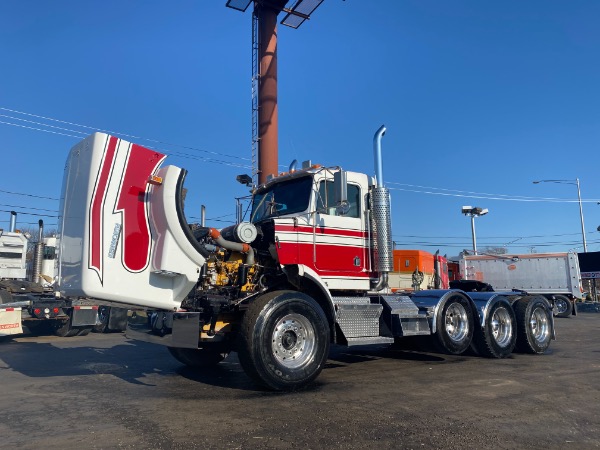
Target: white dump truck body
536,273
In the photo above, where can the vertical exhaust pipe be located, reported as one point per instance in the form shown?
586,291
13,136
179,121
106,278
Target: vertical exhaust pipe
38,255
381,219
437,274
13,222
377,154
202,215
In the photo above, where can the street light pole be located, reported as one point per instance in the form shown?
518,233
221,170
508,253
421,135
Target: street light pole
474,212
474,238
576,183
581,216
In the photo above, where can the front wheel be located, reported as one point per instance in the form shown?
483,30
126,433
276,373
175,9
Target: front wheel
534,324
284,340
454,325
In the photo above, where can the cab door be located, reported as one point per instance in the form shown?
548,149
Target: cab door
340,241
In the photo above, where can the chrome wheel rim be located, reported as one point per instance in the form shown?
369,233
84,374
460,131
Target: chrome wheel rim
293,341
456,322
561,306
502,327
539,325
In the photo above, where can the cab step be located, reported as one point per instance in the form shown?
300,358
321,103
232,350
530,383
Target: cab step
358,319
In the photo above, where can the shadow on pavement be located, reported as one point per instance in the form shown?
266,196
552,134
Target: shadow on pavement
133,361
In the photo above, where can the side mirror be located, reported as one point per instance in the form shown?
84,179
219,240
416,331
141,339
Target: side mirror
340,192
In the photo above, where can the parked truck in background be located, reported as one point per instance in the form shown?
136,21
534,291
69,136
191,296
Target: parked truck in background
453,270
27,295
556,276
416,270
309,268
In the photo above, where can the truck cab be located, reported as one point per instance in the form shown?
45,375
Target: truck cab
303,225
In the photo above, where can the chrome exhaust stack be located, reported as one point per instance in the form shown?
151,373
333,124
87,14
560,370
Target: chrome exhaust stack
38,255
13,222
381,221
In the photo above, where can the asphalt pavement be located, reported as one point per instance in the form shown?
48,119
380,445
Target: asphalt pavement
103,391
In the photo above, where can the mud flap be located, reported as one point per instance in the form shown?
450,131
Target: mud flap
10,321
179,329
117,320
84,316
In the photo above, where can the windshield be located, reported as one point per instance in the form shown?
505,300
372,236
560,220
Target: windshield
282,198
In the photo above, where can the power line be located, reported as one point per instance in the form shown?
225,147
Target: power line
39,129
28,195
44,124
166,151
469,194
29,207
187,147
489,237
32,223
29,214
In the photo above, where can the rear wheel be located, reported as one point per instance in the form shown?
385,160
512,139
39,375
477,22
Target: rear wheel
562,306
454,325
198,358
498,336
64,329
84,331
534,324
5,297
284,340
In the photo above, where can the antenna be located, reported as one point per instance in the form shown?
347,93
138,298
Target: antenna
264,74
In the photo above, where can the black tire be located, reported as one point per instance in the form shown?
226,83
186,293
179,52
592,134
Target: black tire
103,316
454,325
498,336
64,329
284,340
534,324
5,297
84,331
199,358
562,306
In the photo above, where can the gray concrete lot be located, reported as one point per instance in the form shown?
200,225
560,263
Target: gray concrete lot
104,391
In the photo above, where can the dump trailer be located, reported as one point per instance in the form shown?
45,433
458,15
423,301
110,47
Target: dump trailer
556,276
27,296
309,268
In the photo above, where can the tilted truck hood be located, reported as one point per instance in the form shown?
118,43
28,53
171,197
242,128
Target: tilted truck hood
123,232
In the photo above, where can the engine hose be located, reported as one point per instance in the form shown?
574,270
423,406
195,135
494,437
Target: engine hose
235,246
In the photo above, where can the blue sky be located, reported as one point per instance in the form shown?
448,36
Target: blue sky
479,99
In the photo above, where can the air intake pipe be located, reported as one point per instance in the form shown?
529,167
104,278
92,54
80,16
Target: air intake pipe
235,246
381,222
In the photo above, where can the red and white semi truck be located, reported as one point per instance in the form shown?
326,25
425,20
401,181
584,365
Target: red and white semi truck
309,268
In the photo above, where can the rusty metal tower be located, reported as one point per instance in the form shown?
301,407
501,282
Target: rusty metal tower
264,75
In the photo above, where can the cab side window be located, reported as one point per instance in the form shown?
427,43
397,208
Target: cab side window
326,201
